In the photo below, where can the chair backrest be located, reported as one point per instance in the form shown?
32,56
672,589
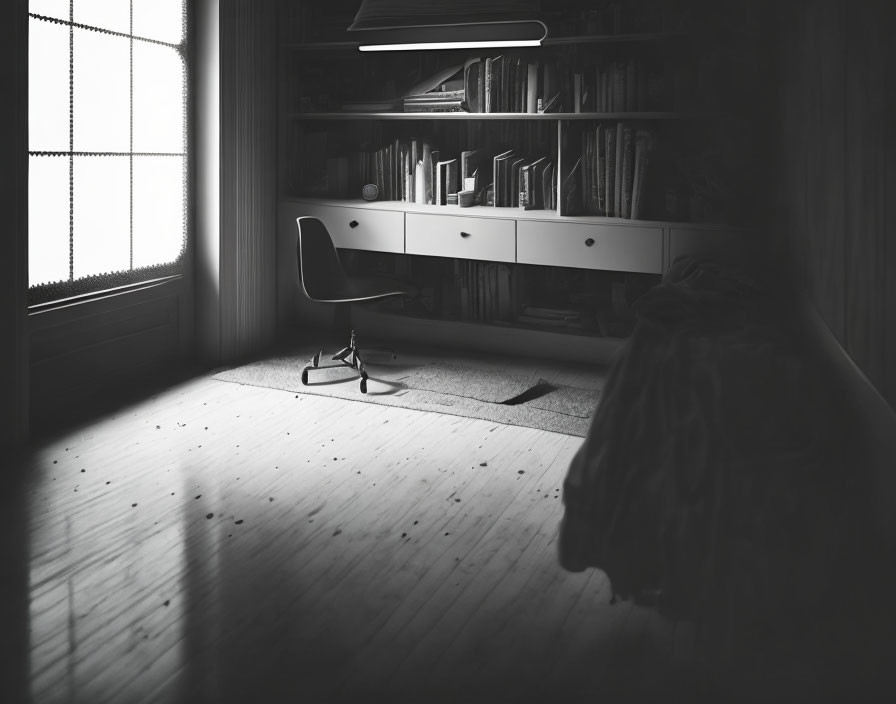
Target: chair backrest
320,270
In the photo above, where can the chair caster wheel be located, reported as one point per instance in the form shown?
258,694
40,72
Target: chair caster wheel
363,380
315,360
305,376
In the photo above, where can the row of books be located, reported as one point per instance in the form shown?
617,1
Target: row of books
415,171
616,86
608,177
516,85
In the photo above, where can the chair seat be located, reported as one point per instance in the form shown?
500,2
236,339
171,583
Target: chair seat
361,288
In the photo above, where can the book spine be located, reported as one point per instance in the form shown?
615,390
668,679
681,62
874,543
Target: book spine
631,86
505,84
532,87
641,144
611,171
419,183
427,174
451,178
617,188
435,107
434,160
618,87
601,176
628,158
481,80
489,75
524,187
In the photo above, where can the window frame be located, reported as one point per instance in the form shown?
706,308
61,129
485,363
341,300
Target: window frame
44,296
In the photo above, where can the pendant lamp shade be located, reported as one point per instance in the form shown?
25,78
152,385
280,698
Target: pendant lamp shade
397,24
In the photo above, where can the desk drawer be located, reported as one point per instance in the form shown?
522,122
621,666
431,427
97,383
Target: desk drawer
373,230
490,239
612,247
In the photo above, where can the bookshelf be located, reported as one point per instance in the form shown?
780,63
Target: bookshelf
575,254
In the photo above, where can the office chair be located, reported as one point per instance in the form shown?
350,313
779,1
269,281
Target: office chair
324,280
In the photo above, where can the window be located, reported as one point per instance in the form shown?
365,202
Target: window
107,144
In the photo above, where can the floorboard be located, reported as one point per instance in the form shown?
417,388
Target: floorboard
218,542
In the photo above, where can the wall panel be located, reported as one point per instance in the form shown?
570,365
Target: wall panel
248,124
14,228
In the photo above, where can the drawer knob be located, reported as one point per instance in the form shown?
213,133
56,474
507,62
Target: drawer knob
353,224
464,234
589,242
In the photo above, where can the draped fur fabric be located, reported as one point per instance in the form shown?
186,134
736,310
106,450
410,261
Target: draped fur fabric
712,479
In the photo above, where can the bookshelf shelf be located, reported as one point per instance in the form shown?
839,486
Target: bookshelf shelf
642,37
551,116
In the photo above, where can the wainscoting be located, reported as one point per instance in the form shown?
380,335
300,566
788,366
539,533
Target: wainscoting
88,349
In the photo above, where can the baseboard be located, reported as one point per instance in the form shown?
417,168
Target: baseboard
483,337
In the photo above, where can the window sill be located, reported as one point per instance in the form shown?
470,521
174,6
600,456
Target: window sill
110,295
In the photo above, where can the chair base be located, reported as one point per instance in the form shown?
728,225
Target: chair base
348,356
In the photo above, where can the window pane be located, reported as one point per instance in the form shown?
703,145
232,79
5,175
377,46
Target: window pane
102,92
158,99
48,219
158,209
162,20
107,14
102,230
59,9
48,87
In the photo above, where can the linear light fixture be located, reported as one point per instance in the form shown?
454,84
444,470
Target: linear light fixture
449,45
401,25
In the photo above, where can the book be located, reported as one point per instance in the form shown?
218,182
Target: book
587,158
600,170
628,158
536,193
611,170
452,169
532,86
513,194
471,85
414,157
427,173
548,187
436,95
496,175
642,146
617,178
525,186
434,164
577,92
447,106
618,87
571,189
506,90
489,89
419,183
631,86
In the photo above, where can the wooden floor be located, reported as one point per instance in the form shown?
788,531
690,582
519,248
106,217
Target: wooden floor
226,543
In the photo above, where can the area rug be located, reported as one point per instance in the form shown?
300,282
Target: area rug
460,389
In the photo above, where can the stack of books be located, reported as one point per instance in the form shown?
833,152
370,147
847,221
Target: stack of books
435,101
